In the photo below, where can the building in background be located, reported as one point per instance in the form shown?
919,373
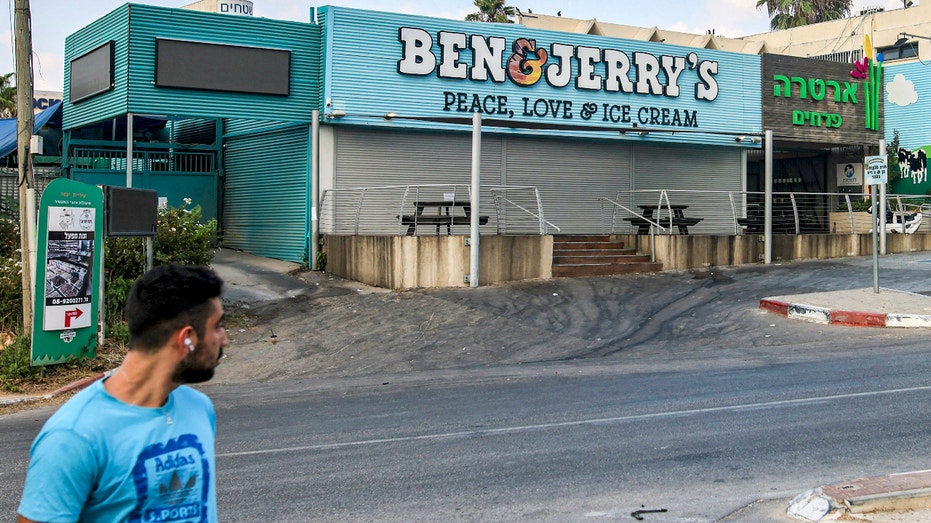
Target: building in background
227,7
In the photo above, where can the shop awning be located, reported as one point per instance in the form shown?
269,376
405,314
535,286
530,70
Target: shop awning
8,128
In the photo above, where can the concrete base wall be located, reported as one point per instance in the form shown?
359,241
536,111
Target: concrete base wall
840,222
682,252
405,262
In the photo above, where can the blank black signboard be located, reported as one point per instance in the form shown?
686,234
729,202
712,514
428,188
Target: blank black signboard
131,212
91,73
217,67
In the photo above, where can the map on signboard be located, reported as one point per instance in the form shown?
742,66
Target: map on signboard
69,267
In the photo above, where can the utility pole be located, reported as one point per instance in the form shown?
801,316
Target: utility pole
25,124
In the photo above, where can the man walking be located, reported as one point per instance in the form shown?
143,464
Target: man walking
138,446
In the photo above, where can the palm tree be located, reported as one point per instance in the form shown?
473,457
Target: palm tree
7,96
785,14
491,11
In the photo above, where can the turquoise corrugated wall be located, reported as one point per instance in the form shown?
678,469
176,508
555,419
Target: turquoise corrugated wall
906,86
266,207
114,26
363,78
140,26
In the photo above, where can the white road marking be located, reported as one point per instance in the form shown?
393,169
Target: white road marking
576,423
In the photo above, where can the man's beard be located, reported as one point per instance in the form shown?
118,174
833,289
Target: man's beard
190,370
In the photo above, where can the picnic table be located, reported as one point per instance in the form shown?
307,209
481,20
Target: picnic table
445,215
679,220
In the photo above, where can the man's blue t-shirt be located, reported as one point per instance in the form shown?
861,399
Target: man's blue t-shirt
99,459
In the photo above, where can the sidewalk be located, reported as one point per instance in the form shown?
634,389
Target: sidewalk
12,399
895,497
855,307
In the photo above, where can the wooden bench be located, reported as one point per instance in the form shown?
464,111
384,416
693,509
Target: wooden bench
681,222
751,224
413,220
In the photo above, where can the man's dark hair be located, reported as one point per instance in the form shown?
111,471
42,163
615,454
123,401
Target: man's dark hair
166,299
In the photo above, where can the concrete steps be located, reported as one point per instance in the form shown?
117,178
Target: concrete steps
597,255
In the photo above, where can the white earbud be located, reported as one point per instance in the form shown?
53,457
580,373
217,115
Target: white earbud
189,344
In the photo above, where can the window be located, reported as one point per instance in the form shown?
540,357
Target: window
906,50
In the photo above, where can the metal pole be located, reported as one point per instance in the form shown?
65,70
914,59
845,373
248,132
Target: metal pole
768,204
475,203
149,253
876,222
882,204
314,189
102,293
129,150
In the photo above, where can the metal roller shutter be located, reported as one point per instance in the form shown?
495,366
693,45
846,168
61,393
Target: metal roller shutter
395,160
702,177
265,209
368,158
571,176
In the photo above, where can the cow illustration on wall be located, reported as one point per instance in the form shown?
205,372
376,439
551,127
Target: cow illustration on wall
913,164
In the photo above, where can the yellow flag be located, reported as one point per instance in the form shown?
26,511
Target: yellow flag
867,47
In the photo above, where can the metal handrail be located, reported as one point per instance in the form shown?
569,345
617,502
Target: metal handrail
362,210
720,212
798,207
635,213
544,224
156,159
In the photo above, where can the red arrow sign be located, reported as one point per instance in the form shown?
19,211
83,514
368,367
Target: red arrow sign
70,315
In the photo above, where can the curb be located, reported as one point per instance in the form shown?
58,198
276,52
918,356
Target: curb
895,492
825,315
75,385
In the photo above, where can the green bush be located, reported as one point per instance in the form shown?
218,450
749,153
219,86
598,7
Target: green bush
858,205
115,300
16,362
181,237
11,278
321,261
892,158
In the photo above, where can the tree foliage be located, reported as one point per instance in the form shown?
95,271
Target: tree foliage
892,157
492,11
7,96
786,14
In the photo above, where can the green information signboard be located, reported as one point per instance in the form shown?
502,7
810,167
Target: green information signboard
70,240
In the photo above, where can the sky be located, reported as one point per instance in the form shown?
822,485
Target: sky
53,20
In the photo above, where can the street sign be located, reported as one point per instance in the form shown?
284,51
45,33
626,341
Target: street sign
70,240
874,170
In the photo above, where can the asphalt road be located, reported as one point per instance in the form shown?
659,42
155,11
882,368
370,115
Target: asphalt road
572,445
580,400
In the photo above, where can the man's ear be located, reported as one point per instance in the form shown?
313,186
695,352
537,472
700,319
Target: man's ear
184,340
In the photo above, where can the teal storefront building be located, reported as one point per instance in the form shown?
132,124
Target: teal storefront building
254,119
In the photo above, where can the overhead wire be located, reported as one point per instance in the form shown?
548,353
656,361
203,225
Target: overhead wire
12,32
